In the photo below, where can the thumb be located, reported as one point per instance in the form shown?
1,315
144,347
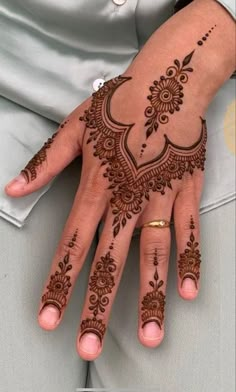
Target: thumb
56,153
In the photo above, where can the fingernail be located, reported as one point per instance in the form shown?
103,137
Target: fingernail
151,330
90,343
17,183
189,285
49,316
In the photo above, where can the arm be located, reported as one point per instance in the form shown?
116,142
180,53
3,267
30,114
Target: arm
213,62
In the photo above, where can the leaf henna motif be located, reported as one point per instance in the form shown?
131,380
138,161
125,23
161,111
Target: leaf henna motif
101,284
190,259
131,183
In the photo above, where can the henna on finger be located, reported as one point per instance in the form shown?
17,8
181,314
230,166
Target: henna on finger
60,281
190,259
154,301
101,283
30,171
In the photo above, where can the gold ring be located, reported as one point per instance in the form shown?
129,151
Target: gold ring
159,224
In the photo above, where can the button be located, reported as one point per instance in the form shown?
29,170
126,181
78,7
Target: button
119,2
98,83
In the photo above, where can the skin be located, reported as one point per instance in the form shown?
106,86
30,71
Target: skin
212,63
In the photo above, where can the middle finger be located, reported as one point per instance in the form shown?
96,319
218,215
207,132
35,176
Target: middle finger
104,279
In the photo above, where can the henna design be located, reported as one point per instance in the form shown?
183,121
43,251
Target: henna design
204,38
64,124
131,183
30,171
166,94
189,262
59,285
101,284
154,301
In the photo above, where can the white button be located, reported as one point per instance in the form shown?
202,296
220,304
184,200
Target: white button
119,2
98,83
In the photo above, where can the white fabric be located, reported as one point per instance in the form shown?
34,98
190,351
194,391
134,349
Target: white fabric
52,52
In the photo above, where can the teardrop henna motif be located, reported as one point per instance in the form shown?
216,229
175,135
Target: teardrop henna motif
131,183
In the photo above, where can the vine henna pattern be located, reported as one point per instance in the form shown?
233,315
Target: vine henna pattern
154,301
59,285
166,94
30,171
190,259
101,283
131,183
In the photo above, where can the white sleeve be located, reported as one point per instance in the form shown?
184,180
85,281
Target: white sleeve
229,5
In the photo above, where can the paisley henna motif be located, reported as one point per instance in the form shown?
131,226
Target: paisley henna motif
166,94
131,183
101,283
60,284
189,262
154,301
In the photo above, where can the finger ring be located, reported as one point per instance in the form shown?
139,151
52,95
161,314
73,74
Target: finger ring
159,224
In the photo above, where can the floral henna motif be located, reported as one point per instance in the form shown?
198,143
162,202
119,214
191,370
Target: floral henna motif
101,283
189,262
154,301
60,283
166,94
131,183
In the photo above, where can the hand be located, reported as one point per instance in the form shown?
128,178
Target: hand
138,166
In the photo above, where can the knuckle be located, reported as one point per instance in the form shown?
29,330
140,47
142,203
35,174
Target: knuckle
76,248
157,248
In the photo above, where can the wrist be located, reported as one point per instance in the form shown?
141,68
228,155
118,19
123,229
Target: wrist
213,62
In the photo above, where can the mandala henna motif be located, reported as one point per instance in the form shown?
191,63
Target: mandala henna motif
131,183
30,171
59,285
154,301
101,284
189,262
166,94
